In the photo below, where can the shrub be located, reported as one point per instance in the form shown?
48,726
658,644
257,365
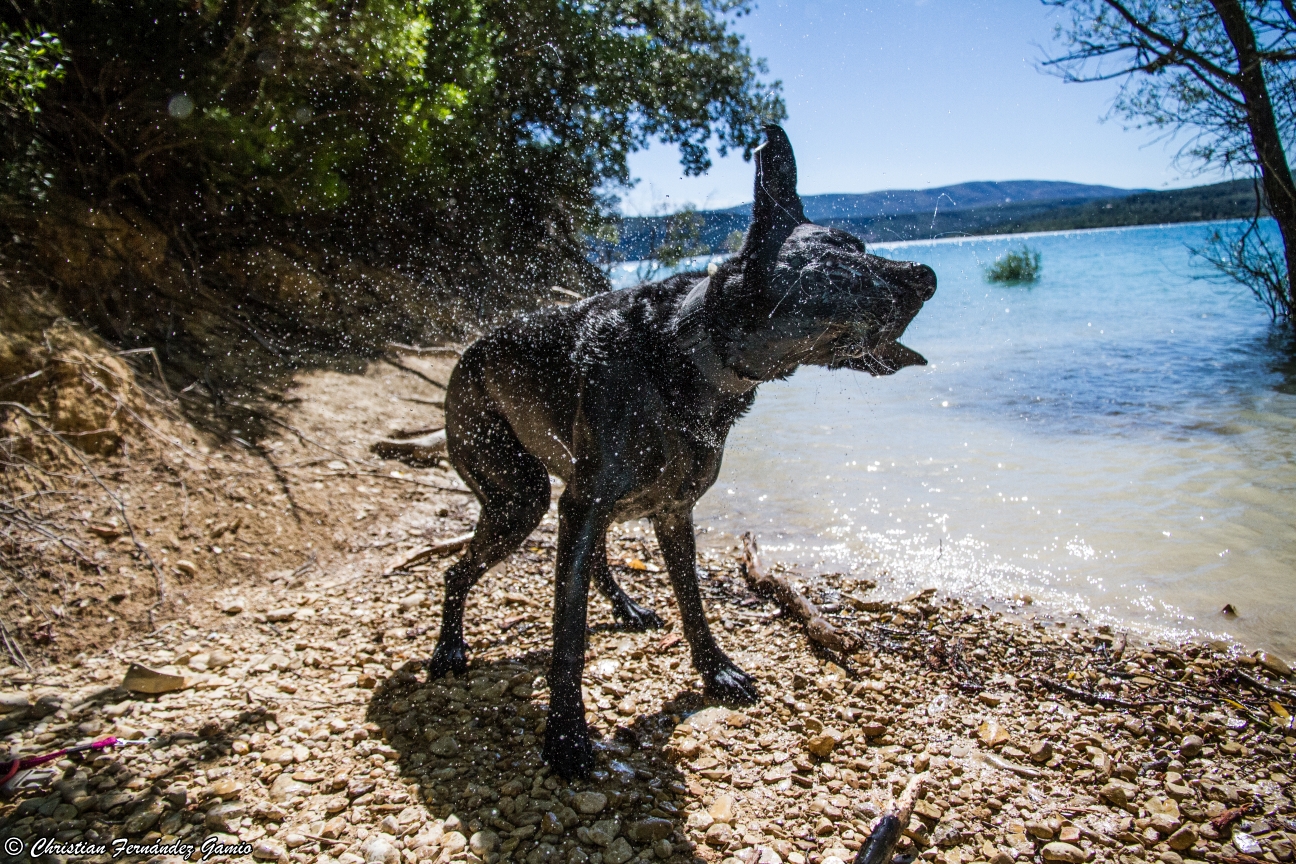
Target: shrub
1017,267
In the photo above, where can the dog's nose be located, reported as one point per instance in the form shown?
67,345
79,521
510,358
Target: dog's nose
924,281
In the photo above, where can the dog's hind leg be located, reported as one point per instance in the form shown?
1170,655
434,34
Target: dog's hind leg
513,487
630,614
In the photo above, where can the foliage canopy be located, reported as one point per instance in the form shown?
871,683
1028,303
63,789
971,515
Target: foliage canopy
473,139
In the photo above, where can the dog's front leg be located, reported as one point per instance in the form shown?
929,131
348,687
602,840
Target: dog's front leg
724,681
582,523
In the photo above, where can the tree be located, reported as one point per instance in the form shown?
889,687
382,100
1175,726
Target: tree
683,237
1221,71
459,142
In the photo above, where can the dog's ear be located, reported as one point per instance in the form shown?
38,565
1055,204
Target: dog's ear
776,207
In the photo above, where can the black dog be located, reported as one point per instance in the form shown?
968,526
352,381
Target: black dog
628,397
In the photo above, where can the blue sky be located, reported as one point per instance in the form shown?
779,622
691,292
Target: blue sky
904,94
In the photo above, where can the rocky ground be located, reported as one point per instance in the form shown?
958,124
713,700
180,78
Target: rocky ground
303,726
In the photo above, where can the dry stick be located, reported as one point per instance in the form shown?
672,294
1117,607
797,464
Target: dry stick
158,577
1268,688
157,365
818,628
16,517
293,429
15,650
422,483
421,554
882,840
172,442
405,368
1094,698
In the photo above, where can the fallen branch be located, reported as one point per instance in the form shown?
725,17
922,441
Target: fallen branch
1261,685
818,628
428,350
1094,698
886,833
414,372
423,553
422,450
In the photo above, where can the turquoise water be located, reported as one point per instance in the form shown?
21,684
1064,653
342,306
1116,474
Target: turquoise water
1116,440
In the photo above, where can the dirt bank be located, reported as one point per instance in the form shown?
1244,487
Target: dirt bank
306,729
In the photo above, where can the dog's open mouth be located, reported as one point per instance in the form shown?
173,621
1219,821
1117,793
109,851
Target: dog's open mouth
885,356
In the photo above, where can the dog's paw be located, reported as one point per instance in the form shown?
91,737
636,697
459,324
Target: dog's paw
732,686
635,618
567,748
447,659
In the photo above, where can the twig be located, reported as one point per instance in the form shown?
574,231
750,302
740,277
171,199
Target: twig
423,553
1094,698
818,628
422,483
15,650
157,365
886,833
430,350
415,372
23,408
293,429
158,576
1268,688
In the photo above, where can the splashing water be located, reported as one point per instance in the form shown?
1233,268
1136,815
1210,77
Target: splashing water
1118,440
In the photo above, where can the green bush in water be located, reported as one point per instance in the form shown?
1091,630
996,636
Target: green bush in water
1015,267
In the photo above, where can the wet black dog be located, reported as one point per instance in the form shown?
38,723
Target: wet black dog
628,397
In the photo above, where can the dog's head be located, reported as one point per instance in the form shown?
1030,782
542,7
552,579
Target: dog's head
800,293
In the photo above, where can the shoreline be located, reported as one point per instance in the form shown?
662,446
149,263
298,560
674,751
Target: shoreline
303,726
319,731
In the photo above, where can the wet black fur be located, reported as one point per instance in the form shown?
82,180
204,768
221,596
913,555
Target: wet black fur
628,397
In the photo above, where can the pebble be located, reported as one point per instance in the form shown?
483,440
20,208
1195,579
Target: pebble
285,787
823,743
992,733
453,841
589,803
378,849
618,852
1062,852
1274,664
482,843
267,849
1191,746
722,809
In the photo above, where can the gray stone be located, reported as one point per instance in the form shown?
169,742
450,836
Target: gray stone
446,745
267,849
1064,853
618,852
483,843
379,849
589,803
604,831
285,787
650,830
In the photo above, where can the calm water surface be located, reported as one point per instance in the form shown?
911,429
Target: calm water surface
1116,440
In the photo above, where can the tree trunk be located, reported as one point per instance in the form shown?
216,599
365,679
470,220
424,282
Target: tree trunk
1274,170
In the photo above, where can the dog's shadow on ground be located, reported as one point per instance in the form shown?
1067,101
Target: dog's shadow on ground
472,744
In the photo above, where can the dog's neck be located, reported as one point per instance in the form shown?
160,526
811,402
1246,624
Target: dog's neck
693,339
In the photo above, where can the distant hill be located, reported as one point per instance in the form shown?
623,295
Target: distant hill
998,208
962,196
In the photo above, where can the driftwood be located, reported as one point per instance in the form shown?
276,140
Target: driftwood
881,842
423,553
818,628
423,450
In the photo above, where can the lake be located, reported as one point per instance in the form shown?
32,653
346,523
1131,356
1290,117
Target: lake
1117,440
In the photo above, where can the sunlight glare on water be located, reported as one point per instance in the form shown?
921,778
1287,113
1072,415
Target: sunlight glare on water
1116,440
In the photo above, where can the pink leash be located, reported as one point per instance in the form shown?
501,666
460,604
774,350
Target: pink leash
9,769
